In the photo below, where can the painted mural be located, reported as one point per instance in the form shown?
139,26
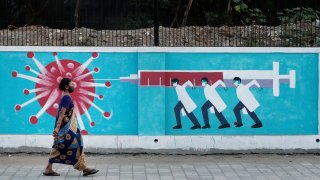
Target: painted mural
163,93
47,93
210,80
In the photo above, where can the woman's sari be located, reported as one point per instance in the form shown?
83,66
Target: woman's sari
68,147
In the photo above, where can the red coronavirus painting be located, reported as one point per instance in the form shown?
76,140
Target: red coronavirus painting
47,93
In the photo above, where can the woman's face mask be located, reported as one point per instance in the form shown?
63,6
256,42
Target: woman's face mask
71,89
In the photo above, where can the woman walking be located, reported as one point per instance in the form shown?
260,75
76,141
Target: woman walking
68,144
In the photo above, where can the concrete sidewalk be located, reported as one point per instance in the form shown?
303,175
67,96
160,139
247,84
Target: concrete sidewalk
166,167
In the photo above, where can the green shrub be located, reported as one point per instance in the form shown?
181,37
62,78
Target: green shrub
298,14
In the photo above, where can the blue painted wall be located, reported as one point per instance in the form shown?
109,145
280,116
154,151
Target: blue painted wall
140,110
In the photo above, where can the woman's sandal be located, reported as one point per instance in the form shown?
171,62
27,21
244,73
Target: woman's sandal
90,172
51,173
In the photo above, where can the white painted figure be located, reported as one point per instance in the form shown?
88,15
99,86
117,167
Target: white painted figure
185,104
247,101
214,103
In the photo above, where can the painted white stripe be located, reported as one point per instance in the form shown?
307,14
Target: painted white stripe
93,95
86,100
79,119
162,49
35,98
170,143
61,69
80,69
292,78
37,90
40,75
51,99
90,84
85,92
42,69
34,72
36,80
83,76
86,112
275,79
107,79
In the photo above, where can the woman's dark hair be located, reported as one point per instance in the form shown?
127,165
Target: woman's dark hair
63,83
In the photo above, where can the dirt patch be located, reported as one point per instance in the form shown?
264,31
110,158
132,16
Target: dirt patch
301,34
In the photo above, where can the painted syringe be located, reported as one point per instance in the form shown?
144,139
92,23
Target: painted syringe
266,78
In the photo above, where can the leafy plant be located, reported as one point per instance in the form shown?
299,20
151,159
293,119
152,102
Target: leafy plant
298,14
255,16
248,15
242,7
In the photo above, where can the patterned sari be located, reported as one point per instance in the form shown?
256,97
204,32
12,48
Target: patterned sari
68,148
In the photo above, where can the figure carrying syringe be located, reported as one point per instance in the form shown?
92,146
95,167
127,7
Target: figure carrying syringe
247,102
245,79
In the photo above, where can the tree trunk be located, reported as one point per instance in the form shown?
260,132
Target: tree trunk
176,14
229,9
76,14
186,13
229,13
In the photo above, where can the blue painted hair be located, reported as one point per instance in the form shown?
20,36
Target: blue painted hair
205,79
237,79
175,80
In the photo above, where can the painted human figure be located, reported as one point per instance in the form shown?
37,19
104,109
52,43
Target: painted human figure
214,103
184,105
247,101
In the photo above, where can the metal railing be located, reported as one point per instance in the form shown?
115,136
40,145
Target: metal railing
115,23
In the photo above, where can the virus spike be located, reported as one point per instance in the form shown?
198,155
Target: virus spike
87,114
61,69
18,107
14,74
42,69
26,92
30,78
51,99
28,68
84,75
108,115
33,119
85,92
86,100
37,90
80,69
42,76
79,119
84,132
108,84
96,70
100,96
90,84
43,94
95,55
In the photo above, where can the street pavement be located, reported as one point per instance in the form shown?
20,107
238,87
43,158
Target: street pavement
169,167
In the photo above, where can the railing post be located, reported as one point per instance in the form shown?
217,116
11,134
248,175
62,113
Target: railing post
156,23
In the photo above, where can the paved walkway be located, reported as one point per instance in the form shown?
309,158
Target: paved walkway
158,167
